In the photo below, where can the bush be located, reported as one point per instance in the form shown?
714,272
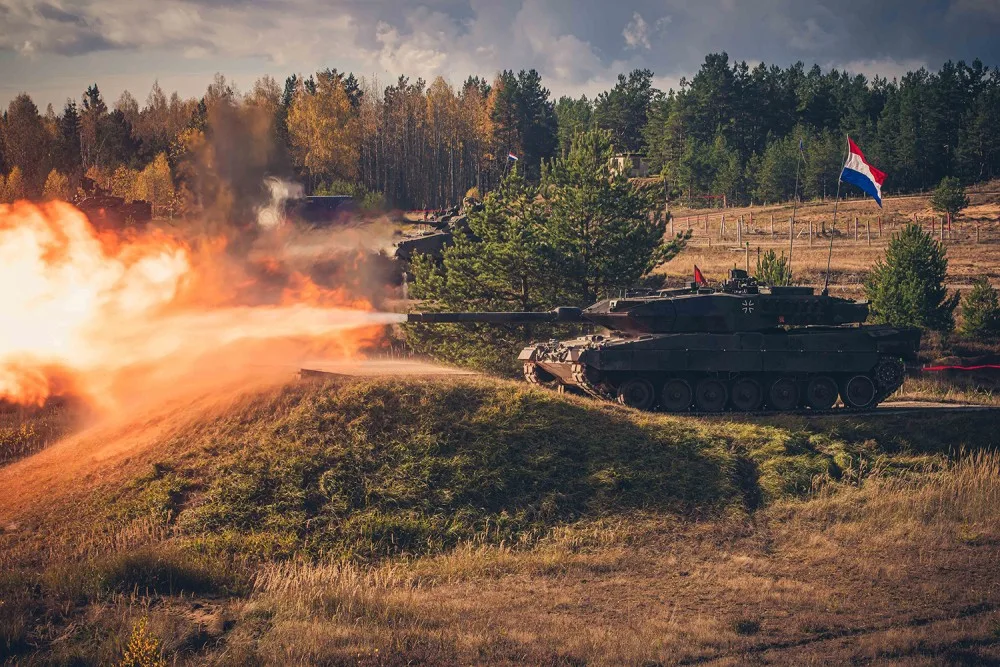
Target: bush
773,270
144,649
366,201
907,287
981,310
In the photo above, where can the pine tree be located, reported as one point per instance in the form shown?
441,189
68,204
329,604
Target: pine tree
949,196
91,118
624,110
981,310
537,121
572,116
508,265
776,178
824,162
67,149
907,287
600,226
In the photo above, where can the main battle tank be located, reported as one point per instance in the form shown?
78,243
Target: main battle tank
741,346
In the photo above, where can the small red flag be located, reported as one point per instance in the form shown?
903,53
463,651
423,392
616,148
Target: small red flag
698,278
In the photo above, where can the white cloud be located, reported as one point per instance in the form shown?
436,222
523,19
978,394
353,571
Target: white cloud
636,32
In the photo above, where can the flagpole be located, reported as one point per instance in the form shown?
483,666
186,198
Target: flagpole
836,204
795,205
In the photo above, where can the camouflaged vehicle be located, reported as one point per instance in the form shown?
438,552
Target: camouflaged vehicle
741,346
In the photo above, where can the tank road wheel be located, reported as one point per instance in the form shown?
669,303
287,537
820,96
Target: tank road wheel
821,393
858,392
783,395
676,395
637,393
746,395
710,395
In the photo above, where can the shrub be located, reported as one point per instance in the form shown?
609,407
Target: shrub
144,649
907,287
365,200
773,270
981,310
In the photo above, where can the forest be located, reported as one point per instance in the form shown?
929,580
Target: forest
732,130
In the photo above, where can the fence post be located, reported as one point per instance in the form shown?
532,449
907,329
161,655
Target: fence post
868,230
942,230
810,233
855,229
739,230
772,224
722,228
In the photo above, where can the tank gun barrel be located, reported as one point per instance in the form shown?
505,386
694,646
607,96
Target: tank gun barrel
563,314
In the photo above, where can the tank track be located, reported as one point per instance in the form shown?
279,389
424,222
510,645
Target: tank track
584,383
888,376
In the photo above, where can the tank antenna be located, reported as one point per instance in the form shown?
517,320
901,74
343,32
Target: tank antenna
795,203
836,203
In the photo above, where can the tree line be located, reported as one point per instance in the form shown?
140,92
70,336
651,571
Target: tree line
730,130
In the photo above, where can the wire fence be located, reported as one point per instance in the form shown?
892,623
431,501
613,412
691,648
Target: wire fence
720,228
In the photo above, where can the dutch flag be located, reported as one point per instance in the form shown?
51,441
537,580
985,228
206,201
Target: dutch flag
511,156
858,172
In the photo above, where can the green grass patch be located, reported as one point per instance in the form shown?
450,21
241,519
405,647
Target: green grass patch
370,469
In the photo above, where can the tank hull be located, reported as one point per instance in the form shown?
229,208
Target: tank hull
860,365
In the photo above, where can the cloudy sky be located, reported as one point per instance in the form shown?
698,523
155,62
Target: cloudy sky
53,49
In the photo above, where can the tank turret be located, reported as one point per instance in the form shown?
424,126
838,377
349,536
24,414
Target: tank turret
741,346
738,305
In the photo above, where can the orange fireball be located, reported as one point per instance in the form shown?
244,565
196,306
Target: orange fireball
82,311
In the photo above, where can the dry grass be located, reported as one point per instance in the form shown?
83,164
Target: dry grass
861,547
946,390
26,430
898,569
851,259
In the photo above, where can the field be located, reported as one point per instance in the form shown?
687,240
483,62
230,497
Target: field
851,258
245,518
472,521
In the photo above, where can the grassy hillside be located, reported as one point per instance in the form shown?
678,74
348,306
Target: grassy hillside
391,522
